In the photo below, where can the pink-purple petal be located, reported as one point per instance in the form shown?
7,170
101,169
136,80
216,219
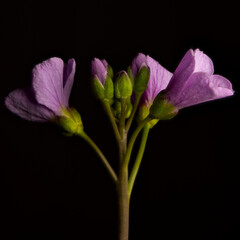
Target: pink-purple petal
203,63
99,70
68,78
47,83
181,75
196,91
158,81
137,63
22,103
222,87
220,81
201,88
104,62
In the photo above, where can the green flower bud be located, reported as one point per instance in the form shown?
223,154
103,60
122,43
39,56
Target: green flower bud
70,121
108,88
98,88
110,71
103,92
143,113
161,109
141,80
118,109
129,72
102,74
129,109
123,86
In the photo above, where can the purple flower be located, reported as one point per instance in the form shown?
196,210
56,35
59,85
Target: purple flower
99,70
158,80
193,82
48,96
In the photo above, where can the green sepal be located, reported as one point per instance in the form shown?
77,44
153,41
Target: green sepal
161,109
117,109
110,71
129,72
98,88
143,112
123,86
68,125
109,89
129,109
70,121
141,80
153,122
76,116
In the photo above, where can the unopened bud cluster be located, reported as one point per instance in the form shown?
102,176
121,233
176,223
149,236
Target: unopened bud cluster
127,86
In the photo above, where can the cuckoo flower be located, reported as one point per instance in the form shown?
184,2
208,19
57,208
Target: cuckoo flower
102,79
193,82
158,79
49,93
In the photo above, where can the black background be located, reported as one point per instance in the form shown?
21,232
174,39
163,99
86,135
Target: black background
54,187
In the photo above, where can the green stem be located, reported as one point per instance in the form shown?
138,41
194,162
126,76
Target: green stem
135,105
133,139
101,156
123,202
122,118
138,159
109,112
123,199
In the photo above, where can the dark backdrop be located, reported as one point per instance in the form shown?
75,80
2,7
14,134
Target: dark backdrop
55,187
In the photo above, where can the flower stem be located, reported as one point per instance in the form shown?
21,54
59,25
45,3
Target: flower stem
101,156
123,226
122,118
123,200
108,110
133,139
135,105
138,159
123,204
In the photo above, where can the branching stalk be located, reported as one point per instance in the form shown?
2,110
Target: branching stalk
133,139
109,112
101,156
135,105
138,159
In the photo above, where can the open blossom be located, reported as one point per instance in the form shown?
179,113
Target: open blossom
158,79
193,82
49,93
